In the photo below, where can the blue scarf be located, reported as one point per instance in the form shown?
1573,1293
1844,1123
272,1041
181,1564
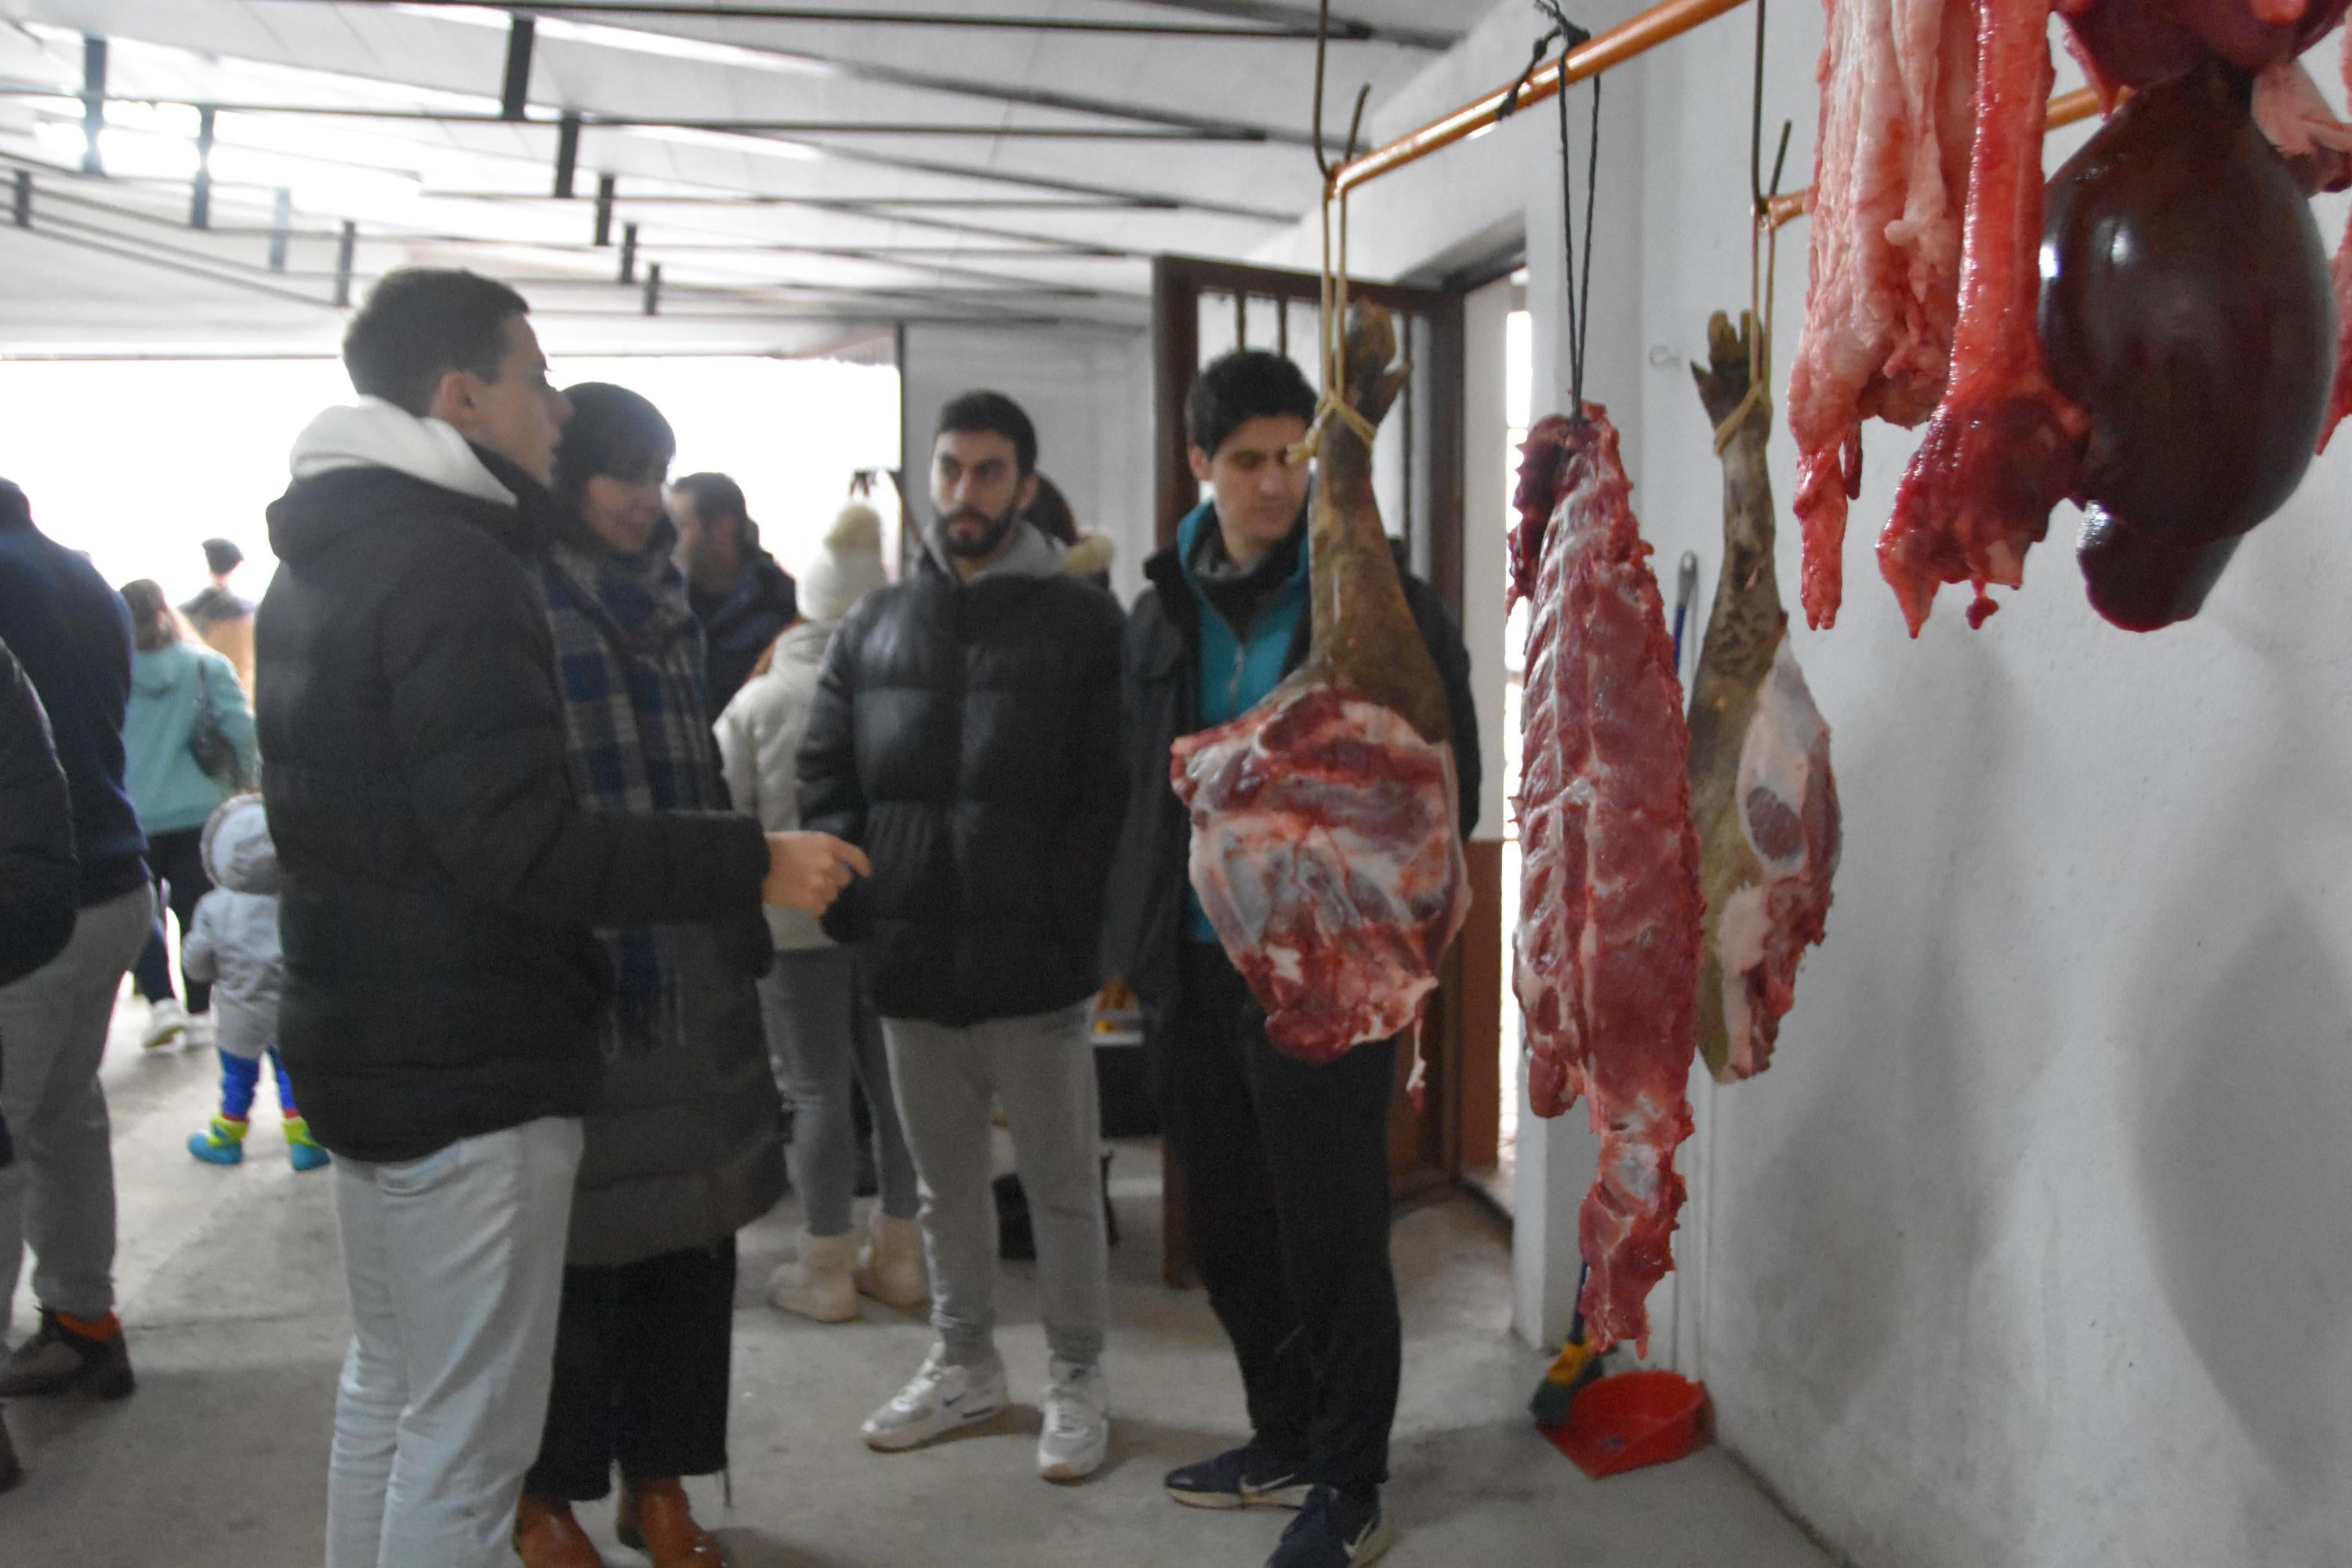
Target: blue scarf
636,725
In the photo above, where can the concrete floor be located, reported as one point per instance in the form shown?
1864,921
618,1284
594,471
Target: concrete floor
232,1296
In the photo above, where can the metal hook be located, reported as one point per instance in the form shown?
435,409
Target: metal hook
1756,191
1322,50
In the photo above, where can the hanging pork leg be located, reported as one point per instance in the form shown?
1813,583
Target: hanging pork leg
1327,846
1762,796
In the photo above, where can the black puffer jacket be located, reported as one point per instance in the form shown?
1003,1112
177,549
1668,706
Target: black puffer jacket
966,735
1161,672
441,882
37,877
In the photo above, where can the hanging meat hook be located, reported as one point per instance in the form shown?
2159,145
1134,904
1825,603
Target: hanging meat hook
1356,123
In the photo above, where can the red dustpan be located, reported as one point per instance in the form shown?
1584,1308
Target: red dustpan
1632,1420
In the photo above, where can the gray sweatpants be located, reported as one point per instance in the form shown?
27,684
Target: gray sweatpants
1042,1070
822,1034
58,1197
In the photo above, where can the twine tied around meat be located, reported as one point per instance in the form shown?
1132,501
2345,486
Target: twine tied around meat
1764,248
1333,343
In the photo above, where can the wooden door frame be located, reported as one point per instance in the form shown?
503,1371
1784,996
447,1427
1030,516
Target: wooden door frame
1178,284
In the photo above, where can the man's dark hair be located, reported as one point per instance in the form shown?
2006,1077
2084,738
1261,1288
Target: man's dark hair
995,414
716,496
418,324
1245,385
15,511
222,556
613,432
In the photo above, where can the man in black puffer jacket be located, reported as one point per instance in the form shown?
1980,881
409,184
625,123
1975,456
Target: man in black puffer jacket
442,984
966,732
1286,1163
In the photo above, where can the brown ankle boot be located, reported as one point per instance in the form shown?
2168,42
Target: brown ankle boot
655,1519
546,1536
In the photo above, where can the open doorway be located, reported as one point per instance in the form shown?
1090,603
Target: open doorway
1499,369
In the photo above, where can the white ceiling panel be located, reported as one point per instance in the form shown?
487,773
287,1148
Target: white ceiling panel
994,160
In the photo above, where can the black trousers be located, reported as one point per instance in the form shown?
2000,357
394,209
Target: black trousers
177,860
641,1373
1286,1180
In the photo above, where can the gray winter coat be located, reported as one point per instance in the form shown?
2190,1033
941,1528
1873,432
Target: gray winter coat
685,1146
233,941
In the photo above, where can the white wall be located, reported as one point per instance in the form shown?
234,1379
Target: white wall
2033,1247
1088,389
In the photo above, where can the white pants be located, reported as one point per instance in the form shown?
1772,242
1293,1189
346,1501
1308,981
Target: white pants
456,1267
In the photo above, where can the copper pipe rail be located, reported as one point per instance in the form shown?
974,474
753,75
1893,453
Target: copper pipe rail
1634,36
1630,39
2067,109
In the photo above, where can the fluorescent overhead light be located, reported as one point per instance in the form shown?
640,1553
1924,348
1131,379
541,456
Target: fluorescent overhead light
645,42
637,40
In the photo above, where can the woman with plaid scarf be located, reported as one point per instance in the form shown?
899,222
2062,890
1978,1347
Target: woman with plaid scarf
685,1146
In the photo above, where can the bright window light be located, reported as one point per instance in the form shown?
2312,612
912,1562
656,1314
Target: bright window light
215,435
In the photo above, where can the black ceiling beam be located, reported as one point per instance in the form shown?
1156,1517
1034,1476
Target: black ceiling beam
1270,13
1152,200
567,155
855,69
184,263
345,275
93,101
880,206
868,210
629,121
515,102
1344,30
200,197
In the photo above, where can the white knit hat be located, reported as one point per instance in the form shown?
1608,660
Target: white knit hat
847,567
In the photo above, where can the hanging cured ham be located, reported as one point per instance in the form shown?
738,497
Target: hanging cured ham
1607,956
1762,795
1327,846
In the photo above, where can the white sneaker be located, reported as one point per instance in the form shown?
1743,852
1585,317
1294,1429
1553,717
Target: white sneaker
166,1022
1077,1421
941,1398
200,1034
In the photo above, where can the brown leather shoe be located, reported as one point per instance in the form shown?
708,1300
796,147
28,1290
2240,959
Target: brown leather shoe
656,1520
546,1536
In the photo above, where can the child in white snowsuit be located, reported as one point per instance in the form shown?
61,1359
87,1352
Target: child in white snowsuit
233,943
